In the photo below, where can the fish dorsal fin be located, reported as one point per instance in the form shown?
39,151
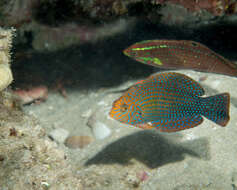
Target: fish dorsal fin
173,81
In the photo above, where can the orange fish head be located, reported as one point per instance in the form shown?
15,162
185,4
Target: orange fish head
125,111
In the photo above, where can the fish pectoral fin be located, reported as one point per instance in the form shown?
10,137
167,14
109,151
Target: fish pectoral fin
179,124
145,126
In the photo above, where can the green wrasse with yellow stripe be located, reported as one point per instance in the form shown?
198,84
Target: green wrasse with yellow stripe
180,54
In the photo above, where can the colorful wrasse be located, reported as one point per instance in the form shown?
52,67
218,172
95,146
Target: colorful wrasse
180,54
169,102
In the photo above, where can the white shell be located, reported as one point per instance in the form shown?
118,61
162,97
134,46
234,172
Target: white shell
59,135
100,130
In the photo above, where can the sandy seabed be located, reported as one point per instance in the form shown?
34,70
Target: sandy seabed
129,158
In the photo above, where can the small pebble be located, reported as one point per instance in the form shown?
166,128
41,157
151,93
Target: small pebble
190,136
100,130
101,103
59,135
33,94
87,113
1,158
50,108
8,103
142,176
78,141
203,78
234,180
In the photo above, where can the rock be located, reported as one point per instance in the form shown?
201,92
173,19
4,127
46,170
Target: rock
78,141
32,161
87,113
100,130
39,93
5,45
234,180
59,135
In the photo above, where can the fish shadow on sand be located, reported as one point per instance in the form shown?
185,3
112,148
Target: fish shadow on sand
152,149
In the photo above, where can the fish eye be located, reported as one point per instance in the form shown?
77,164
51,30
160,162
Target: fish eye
133,53
194,44
139,113
124,107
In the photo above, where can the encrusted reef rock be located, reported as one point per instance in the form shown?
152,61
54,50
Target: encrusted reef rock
28,159
5,45
48,25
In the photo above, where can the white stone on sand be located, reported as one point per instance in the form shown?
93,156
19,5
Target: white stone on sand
100,130
59,135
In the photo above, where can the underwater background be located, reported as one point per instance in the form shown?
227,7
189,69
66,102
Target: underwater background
66,64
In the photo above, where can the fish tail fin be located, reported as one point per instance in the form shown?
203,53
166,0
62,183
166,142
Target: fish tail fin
216,108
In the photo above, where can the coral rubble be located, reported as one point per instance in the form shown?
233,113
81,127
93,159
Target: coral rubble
216,7
28,160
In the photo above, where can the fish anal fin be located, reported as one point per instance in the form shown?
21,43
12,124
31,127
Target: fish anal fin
178,125
145,126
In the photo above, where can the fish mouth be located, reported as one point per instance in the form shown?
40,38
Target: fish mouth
110,113
125,52
113,115
114,106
